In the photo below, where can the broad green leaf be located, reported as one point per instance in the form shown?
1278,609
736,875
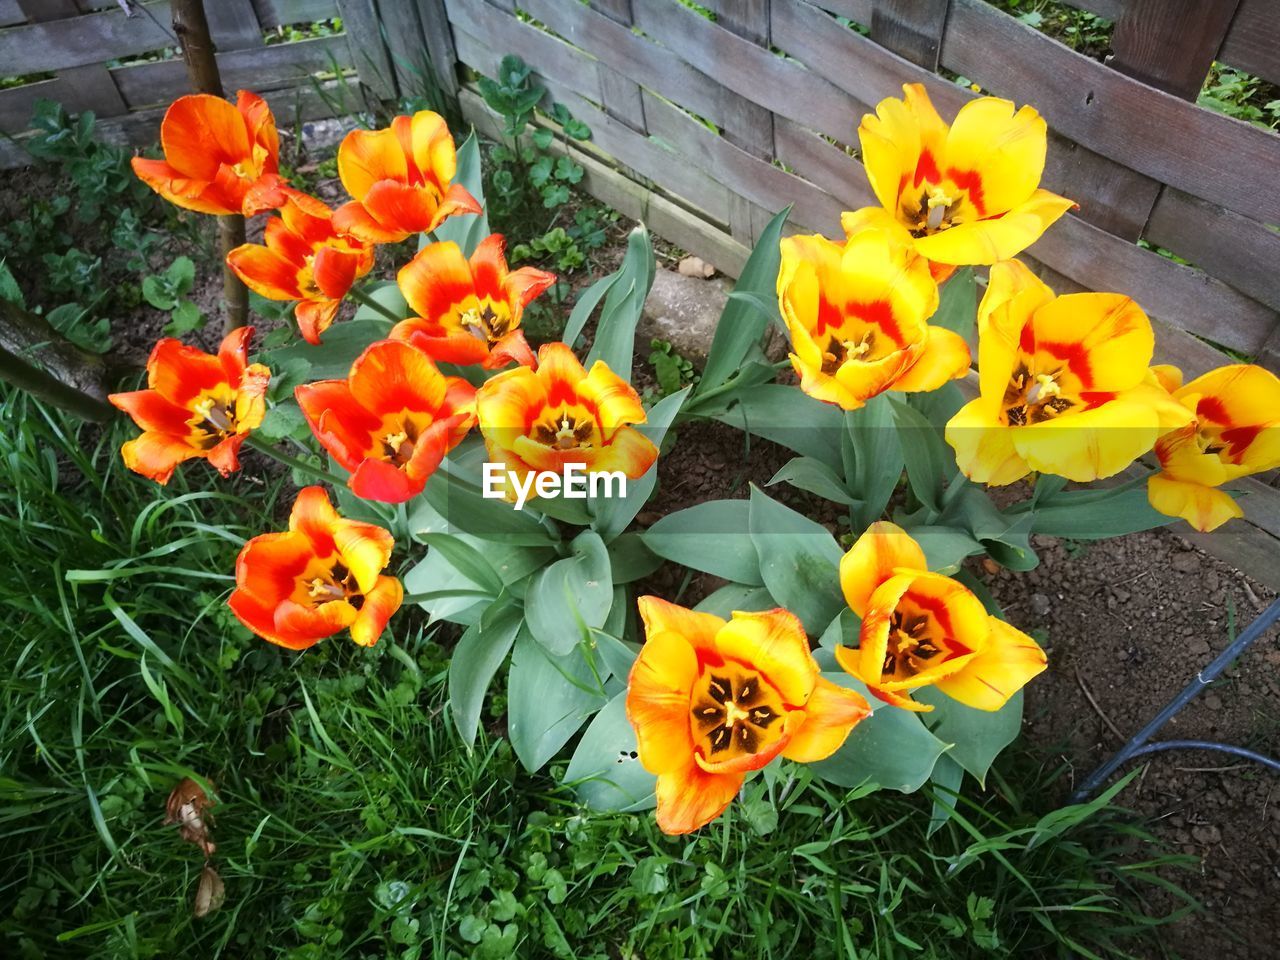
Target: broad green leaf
711,537
466,559
342,343
946,779
435,575
736,596
605,771
958,304
614,514
799,561
873,458
630,559
615,653
1096,518
616,329
548,698
466,230
742,323
588,300
386,294
891,749
512,563
978,735
789,416
841,631
571,595
475,660
945,547
806,473
470,512
923,451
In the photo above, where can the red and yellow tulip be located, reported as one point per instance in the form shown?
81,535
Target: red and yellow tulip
921,628
392,421
967,193
197,405
1065,384
401,178
857,315
1234,432
218,158
322,575
712,700
468,311
303,258
537,421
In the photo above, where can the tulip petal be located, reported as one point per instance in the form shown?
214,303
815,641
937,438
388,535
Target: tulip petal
315,317
152,412
830,715
999,238
436,280
630,452
392,375
156,455
1104,339
364,548
1205,508
1009,661
1002,149
774,643
367,157
689,797
201,132
180,373
874,557
659,616
659,691
378,606
513,348
945,357
265,272
985,451
1092,444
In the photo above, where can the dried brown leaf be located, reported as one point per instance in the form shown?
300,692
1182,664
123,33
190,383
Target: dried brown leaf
188,806
210,892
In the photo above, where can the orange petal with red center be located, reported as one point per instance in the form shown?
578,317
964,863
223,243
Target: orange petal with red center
224,455
457,347
436,280
525,284
303,624
150,411
1008,661
180,372
831,713
513,348
367,157
615,400
344,428
431,147
156,455
689,797
182,191
314,517
774,643
352,218
281,239
659,692
315,317
630,452
200,132
399,206
379,605
265,272
884,548
698,628
334,271
392,375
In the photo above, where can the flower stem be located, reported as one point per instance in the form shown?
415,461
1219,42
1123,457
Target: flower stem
362,298
263,446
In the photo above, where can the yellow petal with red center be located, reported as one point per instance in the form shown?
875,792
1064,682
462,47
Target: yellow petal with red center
774,643
853,222
860,380
1243,402
630,452
899,699
867,661
560,373
314,517
1000,150
945,357
745,762
964,624
874,557
831,713
1205,508
901,144
659,691
698,628
508,402
378,606
265,272
156,455
1009,660
367,157
251,398
873,269
615,400
365,550
689,797
433,149
986,241
985,451
1006,280
1104,339
1092,444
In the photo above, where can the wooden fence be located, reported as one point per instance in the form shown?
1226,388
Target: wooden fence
121,65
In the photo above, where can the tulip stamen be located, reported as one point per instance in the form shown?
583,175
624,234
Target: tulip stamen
322,589
399,446
220,417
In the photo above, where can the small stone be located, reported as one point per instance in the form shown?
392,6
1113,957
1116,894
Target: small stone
1186,563
1212,702
1040,604
684,312
1207,834
1198,647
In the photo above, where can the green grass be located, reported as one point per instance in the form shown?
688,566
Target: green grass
350,822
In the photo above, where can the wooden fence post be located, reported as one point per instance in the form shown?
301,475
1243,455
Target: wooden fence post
438,37
369,53
1170,44
747,125
192,28
620,97
911,28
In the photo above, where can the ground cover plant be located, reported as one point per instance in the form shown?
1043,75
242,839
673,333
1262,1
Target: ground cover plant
634,701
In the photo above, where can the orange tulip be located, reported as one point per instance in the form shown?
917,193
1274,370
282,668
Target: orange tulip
1235,432
401,178
217,158
964,193
712,700
197,405
539,421
469,311
303,259
921,628
322,575
392,421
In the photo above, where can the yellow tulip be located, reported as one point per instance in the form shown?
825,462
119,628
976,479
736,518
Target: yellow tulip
1065,385
1234,431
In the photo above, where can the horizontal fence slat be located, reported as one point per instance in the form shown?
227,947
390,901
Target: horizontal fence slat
260,69
92,38
822,163
275,13
1153,132
1174,292
1253,42
11,13
233,24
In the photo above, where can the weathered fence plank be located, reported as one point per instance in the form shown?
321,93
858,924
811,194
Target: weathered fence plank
275,13
79,88
1253,42
1170,44
364,34
911,28
78,41
438,37
233,24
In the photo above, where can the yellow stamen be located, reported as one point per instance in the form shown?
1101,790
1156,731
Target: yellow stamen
1044,388
565,436
209,409
938,204
320,587
855,351
733,713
